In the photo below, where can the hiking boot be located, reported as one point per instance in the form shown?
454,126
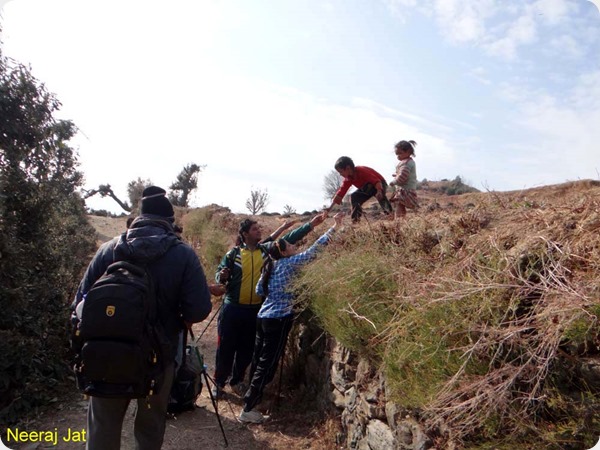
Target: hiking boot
253,416
217,392
239,389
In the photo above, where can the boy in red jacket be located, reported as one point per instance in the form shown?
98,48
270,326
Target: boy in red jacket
369,183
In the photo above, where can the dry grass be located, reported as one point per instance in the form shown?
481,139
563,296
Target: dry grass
472,308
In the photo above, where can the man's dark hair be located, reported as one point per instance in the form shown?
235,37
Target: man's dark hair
343,162
245,226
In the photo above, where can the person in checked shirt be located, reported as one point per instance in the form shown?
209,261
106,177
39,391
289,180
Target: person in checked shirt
276,314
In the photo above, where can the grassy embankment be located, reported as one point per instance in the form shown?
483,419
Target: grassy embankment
478,311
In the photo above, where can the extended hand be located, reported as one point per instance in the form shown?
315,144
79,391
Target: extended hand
318,219
224,275
217,289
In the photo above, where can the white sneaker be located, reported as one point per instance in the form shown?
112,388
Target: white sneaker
253,416
217,392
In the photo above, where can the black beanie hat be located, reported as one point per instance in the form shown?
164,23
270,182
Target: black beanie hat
155,202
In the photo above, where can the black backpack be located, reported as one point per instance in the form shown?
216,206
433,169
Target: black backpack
187,384
119,341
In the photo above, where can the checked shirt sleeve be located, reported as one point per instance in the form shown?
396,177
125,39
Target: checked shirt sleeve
310,254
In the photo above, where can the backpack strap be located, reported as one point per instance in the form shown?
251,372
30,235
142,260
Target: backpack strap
184,347
135,269
232,257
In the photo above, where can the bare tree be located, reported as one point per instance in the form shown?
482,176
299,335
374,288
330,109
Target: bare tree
287,209
105,190
258,201
331,183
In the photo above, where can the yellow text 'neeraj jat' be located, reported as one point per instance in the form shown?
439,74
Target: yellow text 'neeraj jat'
50,437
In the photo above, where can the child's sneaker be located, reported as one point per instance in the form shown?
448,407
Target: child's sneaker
253,416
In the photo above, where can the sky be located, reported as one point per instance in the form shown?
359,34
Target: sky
267,95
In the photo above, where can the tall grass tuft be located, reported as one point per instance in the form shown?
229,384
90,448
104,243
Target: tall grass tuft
208,233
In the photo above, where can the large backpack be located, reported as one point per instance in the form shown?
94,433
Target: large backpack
118,339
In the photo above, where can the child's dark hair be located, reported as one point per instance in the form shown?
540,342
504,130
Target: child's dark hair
343,162
275,252
245,226
407,146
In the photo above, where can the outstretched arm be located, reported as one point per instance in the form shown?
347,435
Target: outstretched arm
298,233
275,234
311,252
339,195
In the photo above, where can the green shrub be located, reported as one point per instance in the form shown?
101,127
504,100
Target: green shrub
45,241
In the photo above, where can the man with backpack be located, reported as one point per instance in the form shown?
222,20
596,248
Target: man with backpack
129,316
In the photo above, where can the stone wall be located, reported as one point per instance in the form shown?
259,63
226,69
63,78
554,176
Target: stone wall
341,380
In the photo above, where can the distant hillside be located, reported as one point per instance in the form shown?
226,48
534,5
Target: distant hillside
449,187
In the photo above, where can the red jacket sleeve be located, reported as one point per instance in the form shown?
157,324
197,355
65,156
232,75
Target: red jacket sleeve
339,195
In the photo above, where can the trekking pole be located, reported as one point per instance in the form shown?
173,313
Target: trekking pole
207,379
210,321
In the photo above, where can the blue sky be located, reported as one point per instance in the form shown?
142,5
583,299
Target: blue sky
268,95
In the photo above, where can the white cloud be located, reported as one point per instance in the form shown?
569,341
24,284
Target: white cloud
553,12
499,27
464,21
401,8
565,132
521,32
384,110
567,46
586,93
481,75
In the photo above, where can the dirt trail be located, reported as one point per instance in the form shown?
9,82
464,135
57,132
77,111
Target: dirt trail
190,430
